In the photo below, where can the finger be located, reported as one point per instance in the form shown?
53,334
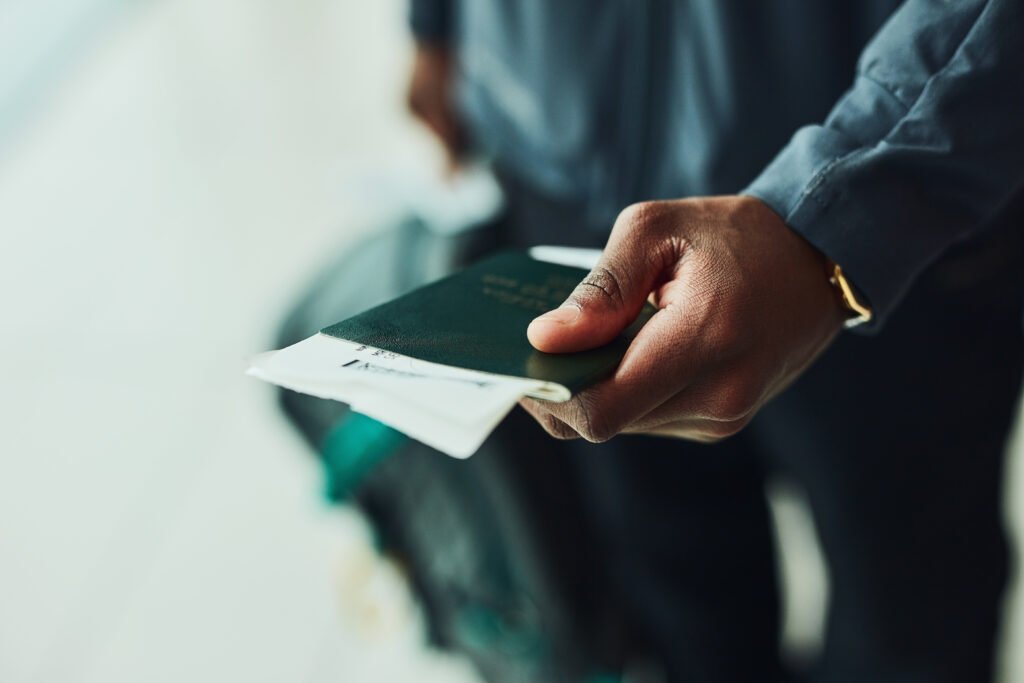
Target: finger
711,409
438,115
661,362
442,124
696,429
545,418
635,259
695,392
454,140
566,421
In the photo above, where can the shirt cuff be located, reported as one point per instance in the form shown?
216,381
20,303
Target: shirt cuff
811,185
431,20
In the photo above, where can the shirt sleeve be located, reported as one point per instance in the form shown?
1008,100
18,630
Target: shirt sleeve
431,20
918,154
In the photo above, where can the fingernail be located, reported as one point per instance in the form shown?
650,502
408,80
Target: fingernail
564,315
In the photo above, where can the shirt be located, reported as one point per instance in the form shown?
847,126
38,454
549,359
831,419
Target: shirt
883,132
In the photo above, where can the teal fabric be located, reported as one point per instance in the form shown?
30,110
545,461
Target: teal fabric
484,629
896,129
351,449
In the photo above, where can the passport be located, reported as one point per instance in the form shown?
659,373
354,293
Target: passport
476,320
446,363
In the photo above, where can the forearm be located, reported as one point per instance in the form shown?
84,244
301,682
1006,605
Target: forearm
920,152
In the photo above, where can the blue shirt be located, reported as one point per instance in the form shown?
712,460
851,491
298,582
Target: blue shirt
883,132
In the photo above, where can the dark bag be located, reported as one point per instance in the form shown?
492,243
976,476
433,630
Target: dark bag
495,547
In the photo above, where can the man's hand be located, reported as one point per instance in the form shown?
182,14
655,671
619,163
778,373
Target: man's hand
744,306
430,97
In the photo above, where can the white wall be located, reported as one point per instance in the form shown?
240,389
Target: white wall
161,199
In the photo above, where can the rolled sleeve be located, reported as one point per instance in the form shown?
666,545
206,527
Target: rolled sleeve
924,148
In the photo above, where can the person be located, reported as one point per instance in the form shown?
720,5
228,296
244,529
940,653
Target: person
771,173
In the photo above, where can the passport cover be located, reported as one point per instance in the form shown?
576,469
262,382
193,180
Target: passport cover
477,319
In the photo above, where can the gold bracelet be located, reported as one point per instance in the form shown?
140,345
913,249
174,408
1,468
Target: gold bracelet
860,313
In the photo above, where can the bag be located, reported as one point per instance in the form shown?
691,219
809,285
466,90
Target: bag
495,547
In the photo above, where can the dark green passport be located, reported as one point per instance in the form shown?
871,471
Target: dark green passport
477,319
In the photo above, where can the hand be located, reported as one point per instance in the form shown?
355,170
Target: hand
744,306
430,98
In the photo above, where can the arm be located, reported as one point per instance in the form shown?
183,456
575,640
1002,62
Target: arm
431,86
925,147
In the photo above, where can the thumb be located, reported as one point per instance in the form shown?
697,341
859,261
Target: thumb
602,305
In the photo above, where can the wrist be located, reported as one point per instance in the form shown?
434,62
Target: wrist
824,294
438,49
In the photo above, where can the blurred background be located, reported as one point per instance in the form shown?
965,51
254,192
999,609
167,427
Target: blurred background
171,172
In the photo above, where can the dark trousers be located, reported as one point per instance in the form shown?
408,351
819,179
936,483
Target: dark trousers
898,441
